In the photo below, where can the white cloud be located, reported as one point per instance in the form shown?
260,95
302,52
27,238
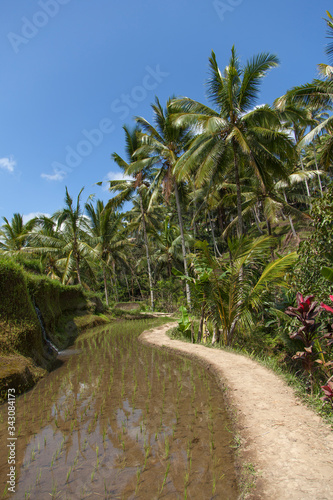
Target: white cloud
58,175
115,176
30,216
7,164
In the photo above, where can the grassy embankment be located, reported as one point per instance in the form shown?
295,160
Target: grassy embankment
66,310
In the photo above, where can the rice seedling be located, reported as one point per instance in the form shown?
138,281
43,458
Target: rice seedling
27,494
68,474
146,457
38,476
186,483
54,490
76,459
214,484
165,477
138,474
166,447
188,449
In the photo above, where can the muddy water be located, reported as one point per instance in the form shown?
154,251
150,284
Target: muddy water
121,420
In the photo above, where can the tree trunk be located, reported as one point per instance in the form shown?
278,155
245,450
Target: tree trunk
216,250
78,269
127,286
147,255
105,286
216,335
290,219
239,194
180,220
306,181
115,282
269,230
318,174
257,220
201,323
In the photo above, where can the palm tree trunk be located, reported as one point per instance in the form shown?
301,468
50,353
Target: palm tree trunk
115,281
269,230
318,174
290,219
181,228
306,181
216,250
201,323
147,255
77,259
257,220
105,286
239,194
127,286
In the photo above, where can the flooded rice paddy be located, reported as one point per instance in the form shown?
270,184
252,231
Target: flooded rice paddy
119,420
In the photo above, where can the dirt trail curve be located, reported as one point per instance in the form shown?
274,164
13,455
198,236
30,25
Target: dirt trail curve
291,447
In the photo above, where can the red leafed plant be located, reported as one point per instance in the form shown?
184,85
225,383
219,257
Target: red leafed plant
306,311
328,391
328,388
327,308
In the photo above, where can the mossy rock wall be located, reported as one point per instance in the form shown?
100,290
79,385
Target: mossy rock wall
23,354
54,300
19,327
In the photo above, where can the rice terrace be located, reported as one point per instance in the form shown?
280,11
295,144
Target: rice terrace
166,262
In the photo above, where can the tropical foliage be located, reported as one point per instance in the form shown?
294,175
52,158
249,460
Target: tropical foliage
225,211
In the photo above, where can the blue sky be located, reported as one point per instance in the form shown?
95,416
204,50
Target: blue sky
74,71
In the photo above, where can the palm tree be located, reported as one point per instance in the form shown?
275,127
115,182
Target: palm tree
234,292
168,245
127,189
317,95
15,235
235,131
163,144
329,48
72,229
107,237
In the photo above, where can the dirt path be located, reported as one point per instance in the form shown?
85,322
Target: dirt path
290,446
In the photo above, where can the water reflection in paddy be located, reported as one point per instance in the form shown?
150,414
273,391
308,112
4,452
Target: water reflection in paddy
122,420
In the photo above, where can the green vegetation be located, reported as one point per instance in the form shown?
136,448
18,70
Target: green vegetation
230,220
64,309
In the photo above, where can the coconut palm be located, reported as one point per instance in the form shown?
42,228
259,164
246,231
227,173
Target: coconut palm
73,226
238,289
168,245
106,230
316,95
235,134
163,144
127,188
329,48
15,235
